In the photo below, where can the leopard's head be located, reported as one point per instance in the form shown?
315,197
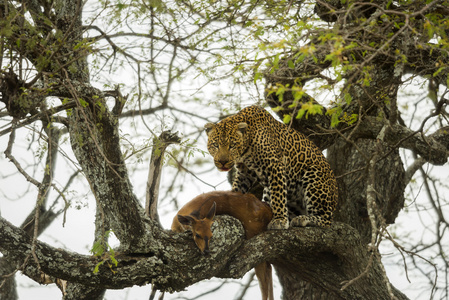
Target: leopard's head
226,143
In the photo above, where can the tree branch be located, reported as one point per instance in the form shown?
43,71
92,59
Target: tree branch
433,147
154,175
324,256
172,268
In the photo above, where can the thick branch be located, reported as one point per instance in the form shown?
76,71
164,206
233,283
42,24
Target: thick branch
326,257
322,257
433,147
428,61
95,141
174,267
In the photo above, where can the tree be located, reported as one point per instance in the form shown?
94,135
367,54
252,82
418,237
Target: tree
86,81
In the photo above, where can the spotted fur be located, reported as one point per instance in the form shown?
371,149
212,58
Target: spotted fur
286,163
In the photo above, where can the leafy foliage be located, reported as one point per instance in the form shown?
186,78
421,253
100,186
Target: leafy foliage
105,251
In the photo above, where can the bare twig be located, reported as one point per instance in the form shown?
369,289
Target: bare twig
8,154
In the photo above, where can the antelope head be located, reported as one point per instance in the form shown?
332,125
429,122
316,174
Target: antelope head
200,228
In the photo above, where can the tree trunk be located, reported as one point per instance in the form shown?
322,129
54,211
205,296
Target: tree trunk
350,157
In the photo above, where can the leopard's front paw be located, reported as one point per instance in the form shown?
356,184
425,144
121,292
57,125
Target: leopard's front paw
299,221
303,221
278,224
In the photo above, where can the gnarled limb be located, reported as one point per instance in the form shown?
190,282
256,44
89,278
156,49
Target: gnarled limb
327,257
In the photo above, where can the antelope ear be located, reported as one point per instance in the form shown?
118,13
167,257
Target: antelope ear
209,127
242,127
185,220
211,214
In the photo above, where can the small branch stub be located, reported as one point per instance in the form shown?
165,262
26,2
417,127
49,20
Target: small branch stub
160,144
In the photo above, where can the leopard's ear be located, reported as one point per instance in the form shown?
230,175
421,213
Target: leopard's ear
241,127
209,127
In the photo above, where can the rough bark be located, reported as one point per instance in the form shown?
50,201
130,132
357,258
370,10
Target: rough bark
373,140
172,268
326,257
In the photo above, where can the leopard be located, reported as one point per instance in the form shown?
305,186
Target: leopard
292,170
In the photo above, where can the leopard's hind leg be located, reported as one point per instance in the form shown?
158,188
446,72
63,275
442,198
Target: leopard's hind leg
320,198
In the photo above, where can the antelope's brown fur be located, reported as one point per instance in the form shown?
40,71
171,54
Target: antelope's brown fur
255,215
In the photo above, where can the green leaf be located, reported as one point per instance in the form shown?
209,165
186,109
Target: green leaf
96,269
348,98
438,71
353,118
83,102
316,109
276,60
301,113
280,92
257,76
334,120
114,261
97,249
287,119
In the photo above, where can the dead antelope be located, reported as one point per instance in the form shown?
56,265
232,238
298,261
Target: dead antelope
198,214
